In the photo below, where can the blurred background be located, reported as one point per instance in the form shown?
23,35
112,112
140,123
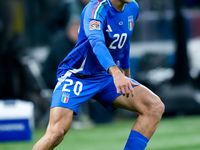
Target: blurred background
165,55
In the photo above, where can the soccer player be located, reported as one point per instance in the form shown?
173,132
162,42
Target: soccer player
91,70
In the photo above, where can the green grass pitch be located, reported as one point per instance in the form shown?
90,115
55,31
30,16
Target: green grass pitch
177,133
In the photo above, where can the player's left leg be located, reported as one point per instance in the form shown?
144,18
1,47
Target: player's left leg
59,123
150,110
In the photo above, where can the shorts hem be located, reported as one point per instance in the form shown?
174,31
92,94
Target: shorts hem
75,112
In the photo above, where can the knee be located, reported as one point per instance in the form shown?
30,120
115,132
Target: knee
56,135
159,106
156,108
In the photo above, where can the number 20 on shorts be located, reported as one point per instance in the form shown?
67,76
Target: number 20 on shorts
77,86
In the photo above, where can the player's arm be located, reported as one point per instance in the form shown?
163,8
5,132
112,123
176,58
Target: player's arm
93,27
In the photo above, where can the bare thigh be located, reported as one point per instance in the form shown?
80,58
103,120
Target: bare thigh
142,100
60,118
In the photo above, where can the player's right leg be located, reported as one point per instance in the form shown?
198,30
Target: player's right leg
69,95
59,123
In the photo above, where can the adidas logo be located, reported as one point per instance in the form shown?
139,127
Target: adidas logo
109,29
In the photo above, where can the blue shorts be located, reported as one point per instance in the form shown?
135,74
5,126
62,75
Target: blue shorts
71,92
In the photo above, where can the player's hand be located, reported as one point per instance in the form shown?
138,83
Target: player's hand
122,83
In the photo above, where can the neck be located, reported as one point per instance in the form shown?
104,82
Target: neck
118,4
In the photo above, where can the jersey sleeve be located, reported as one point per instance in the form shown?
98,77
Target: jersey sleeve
124,62
94,21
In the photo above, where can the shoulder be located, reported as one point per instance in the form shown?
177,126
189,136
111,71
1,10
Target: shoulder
97,8
134,4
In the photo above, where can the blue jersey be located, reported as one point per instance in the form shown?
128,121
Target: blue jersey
103,39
